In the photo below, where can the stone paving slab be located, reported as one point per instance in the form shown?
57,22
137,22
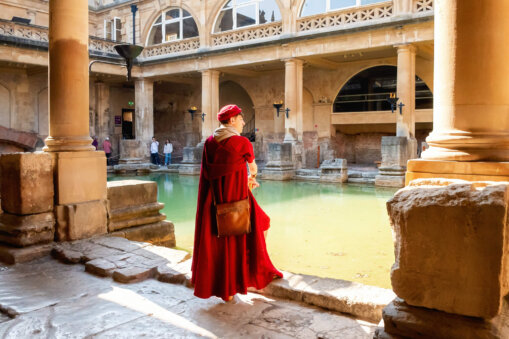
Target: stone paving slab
129,262
152,309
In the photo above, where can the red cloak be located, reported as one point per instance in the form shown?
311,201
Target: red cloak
224,266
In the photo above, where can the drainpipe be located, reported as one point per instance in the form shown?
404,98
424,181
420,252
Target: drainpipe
134,9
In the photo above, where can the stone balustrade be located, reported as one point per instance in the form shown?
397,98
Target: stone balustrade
347,16
423,6
252,33
21,31
180,46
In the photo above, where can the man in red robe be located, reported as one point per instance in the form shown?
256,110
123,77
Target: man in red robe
224,266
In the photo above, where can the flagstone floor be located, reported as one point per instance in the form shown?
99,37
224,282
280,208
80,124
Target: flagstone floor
47,299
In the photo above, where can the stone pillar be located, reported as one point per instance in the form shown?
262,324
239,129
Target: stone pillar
402,7
209,102
405,123
68,77
102,97
79,171
470,98
144,116
293,100
396,151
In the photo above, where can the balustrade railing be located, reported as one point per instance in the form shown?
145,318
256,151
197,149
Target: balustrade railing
347,16
423,5
180,46
21,31
252,33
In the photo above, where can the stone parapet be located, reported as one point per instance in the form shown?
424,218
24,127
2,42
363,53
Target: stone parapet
451,245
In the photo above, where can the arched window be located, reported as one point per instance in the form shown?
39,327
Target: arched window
369,90
312,7
173,24
242,13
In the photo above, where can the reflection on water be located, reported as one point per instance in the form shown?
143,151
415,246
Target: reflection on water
329,230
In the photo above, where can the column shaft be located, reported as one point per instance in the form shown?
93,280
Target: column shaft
471,102
293,99
405,125
102,97
144,117
209,102
68,77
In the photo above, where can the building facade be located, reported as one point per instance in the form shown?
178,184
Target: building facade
330,65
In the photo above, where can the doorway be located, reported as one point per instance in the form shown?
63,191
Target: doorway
127,123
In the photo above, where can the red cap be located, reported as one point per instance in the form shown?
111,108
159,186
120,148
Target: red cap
227,112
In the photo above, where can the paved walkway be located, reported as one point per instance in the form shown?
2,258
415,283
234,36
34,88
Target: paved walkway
48,299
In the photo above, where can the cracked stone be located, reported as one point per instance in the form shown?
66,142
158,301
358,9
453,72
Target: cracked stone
133,274
100,267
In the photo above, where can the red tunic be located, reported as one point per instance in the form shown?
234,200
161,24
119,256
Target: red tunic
224,266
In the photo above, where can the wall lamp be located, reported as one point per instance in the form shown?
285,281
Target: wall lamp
277,106
393,101
191,111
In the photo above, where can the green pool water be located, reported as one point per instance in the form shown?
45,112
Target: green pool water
328,230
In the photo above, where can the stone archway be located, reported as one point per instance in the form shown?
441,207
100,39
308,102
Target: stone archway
232,93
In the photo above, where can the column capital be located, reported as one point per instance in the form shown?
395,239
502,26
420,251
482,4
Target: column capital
406,48
293,60
212,72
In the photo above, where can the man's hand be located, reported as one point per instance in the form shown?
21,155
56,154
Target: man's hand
252,183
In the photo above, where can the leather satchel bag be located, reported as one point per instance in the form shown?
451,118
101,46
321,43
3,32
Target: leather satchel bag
232,218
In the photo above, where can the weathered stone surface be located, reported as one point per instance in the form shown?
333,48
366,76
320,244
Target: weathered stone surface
362,301
12,255
79,221
126,193
132,151
100,267
119,243
26,183
27,230
335,170
396,151
279,162
66,255
161,233
451,245
134,274
79,177
404,321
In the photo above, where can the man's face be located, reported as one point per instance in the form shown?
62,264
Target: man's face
153,139
238,123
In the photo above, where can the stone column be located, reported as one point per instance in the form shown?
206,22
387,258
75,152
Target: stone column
144,117
102,97
79,171
68,77
209,102
293,100
396,151
405,123
470,121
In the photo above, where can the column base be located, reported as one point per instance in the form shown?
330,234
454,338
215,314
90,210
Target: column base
191,162
80,221
79,176
133,152
404,321
390,177
471,171
68,144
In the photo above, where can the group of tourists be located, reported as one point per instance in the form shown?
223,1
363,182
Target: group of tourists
154,152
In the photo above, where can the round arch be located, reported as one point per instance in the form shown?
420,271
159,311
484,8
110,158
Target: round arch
157,12
231,92
367,89
214,14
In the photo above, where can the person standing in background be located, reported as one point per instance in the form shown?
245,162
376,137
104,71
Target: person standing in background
154,151
95,143
107,149
168,149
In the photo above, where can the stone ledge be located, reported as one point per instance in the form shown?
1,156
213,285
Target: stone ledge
362,301
11,255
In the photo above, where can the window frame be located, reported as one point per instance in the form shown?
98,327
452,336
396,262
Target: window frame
110,25
358,3
165,22
234,7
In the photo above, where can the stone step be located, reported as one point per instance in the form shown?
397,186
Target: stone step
368,181
362,301
307,172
